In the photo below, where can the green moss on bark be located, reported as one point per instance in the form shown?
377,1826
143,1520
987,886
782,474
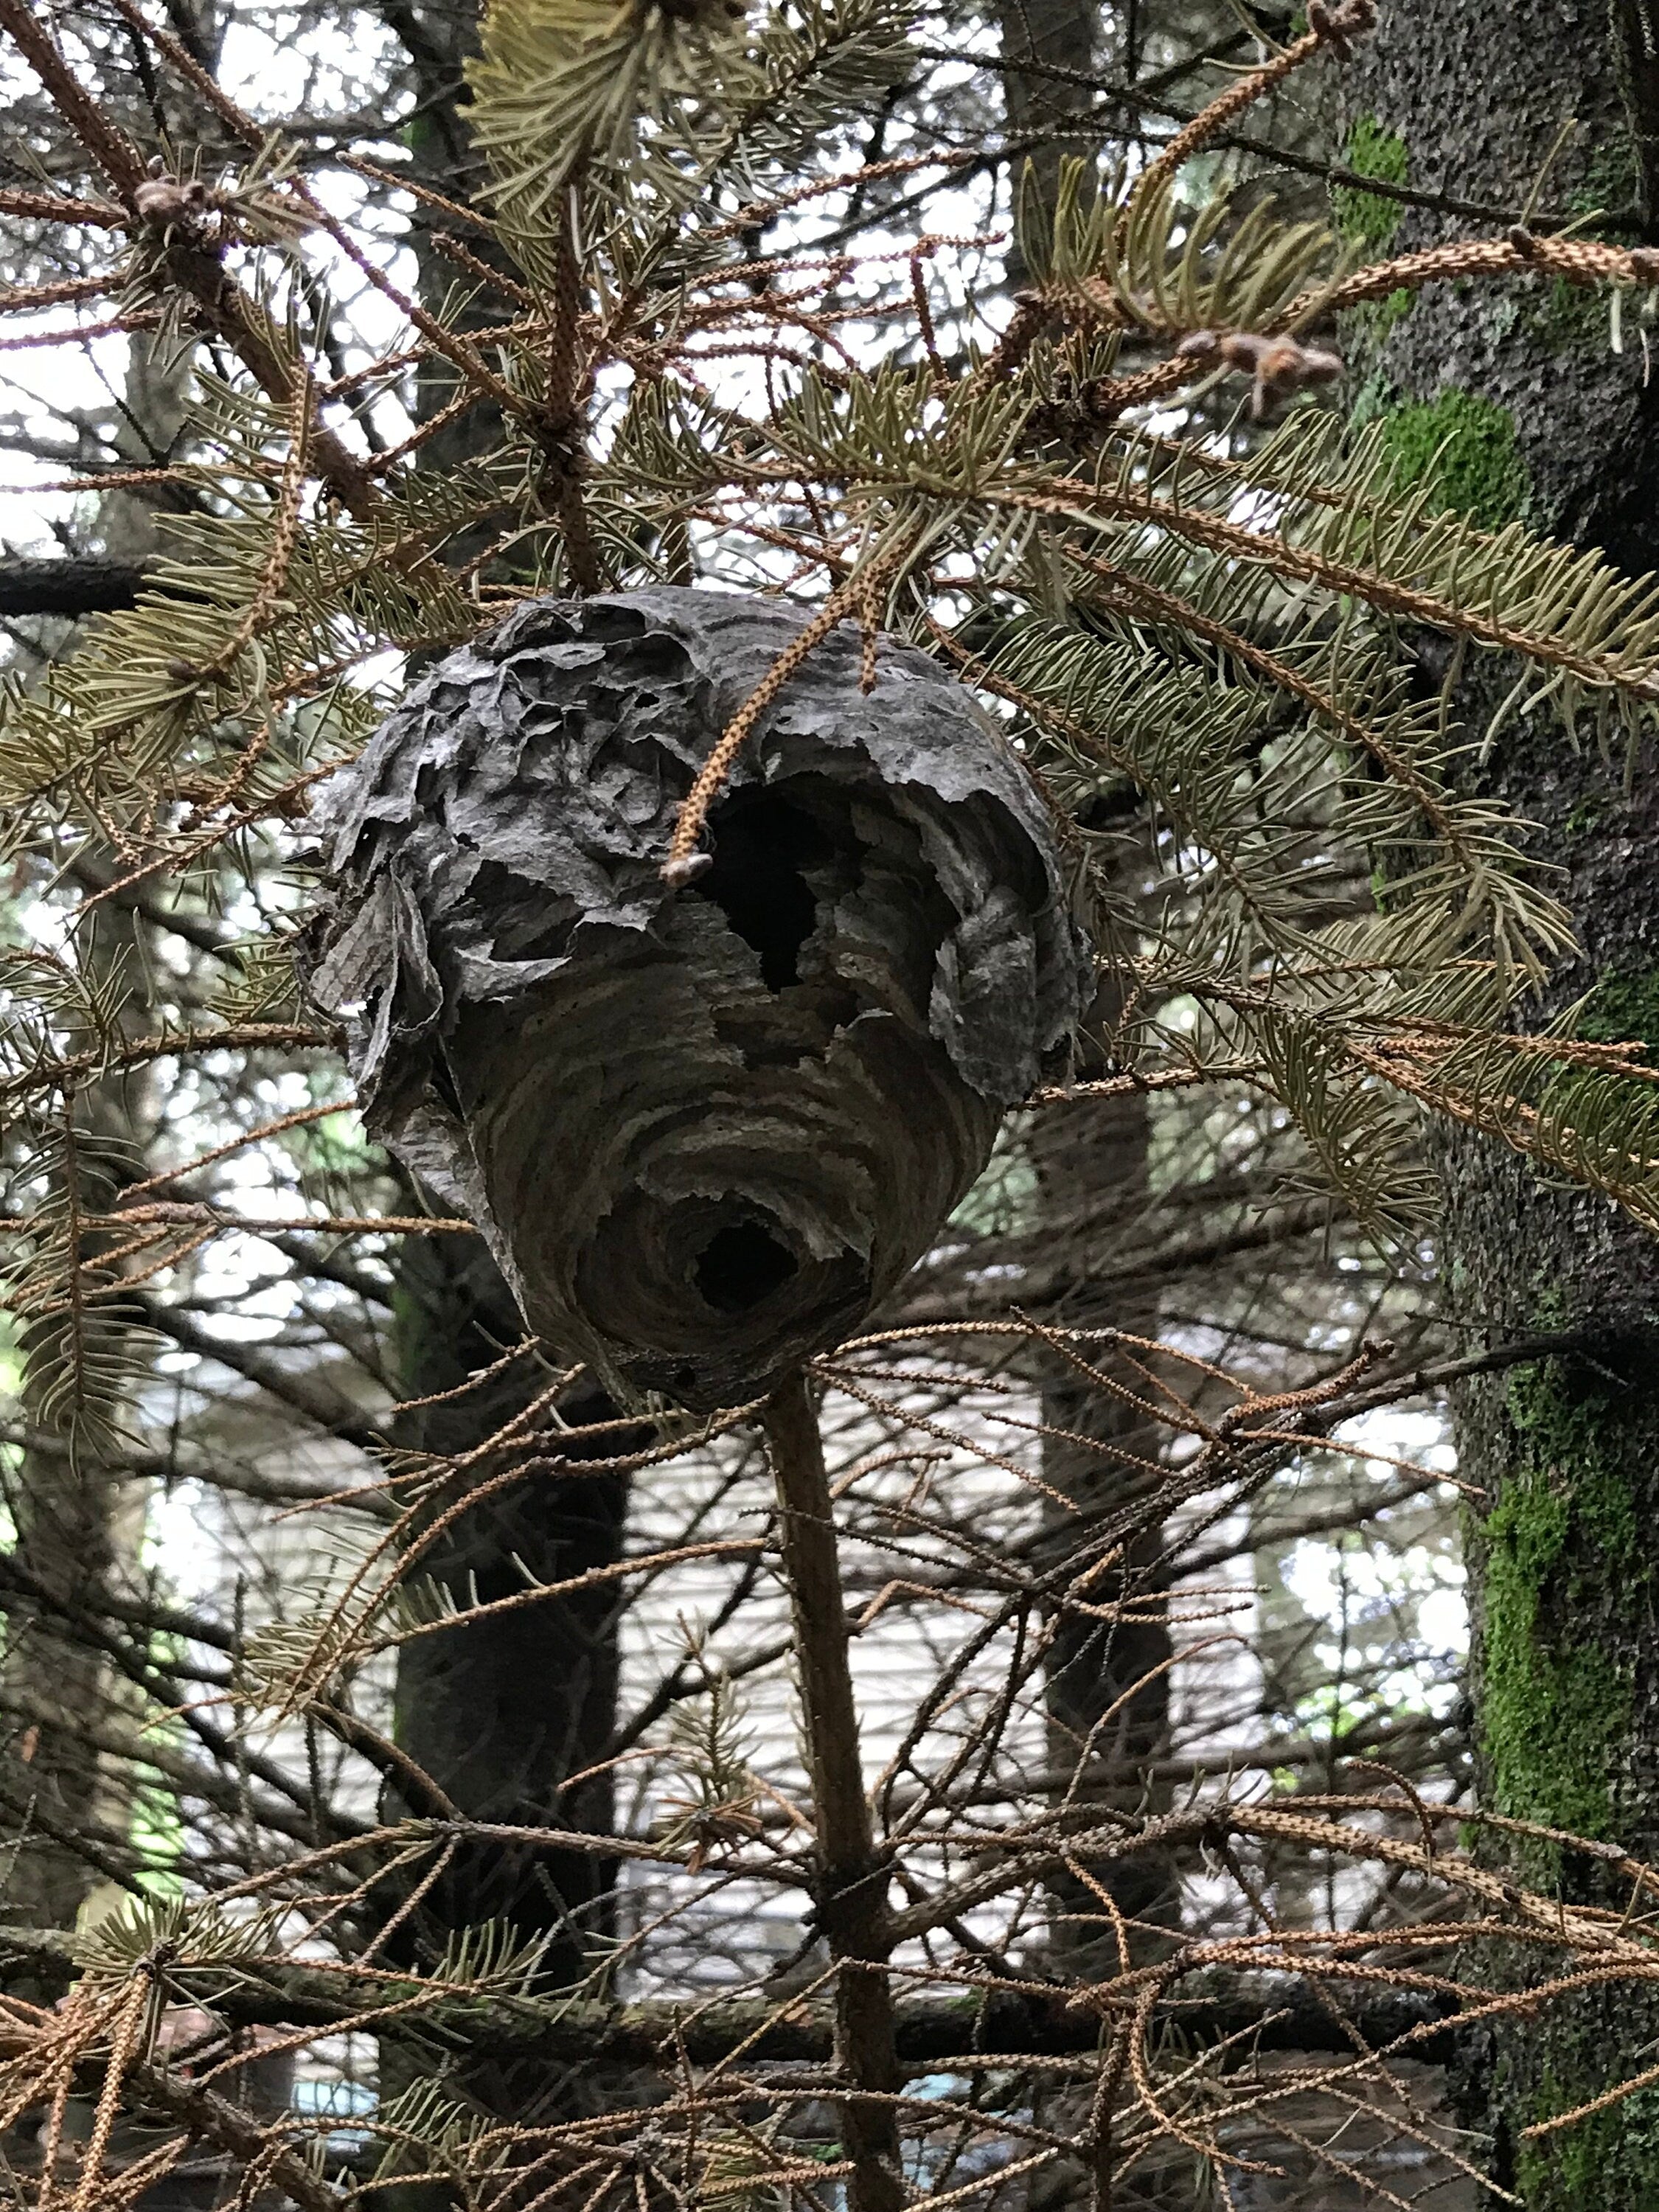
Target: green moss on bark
1610,2158
1625,1009
1563,317
1557,1705
1465,447
1366,328
1366,219
1611,185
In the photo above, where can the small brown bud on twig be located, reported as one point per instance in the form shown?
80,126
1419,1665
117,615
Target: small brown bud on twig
1276,366
1523,240
1338,23
680,874
163,201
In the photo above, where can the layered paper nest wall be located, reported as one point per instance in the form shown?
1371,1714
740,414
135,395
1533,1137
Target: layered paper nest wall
705,1131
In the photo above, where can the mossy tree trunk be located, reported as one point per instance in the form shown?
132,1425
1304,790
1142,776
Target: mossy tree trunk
1519,405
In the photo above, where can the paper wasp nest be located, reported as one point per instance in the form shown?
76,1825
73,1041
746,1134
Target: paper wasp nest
705,1130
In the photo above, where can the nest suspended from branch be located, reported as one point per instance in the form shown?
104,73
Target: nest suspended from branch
703,1130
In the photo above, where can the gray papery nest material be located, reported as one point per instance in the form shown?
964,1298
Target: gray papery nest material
706,1130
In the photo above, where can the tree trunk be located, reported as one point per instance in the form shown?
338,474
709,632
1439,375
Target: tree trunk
79,1520
1091,1163
1517,401
1107,1683
498,1713
1047,44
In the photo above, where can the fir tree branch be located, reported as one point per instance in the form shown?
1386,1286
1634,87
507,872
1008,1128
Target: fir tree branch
990,2027
228,311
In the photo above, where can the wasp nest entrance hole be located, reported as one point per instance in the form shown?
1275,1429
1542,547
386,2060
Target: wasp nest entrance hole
740,1265
762,844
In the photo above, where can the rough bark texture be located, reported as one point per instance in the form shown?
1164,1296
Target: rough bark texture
79,1519
1518,406
439,39
705,1132
84,584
